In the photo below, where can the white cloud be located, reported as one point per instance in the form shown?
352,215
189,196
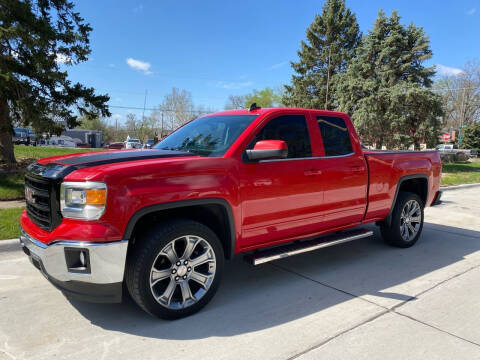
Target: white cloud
231,85
448,71
471,11
278,66
139,65
63,59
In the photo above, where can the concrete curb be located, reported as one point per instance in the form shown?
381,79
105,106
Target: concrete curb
463,186
10,204
7,242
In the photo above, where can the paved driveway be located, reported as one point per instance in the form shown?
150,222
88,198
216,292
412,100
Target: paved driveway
352,301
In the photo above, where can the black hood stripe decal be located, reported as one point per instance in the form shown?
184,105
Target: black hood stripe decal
57,171
107,157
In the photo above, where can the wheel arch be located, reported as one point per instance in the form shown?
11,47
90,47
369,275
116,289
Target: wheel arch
416,183
205,211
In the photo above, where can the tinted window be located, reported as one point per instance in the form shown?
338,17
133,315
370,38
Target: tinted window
335,136
290,128
207,136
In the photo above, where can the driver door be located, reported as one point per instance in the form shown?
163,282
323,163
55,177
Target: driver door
281,198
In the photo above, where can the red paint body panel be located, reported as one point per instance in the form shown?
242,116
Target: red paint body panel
272,201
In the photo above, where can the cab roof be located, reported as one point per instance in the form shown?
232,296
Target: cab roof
262,111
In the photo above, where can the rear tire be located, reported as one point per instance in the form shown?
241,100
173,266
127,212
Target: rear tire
175,268
406,223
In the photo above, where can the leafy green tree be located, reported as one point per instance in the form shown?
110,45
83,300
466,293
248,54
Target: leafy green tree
471,137
331,42
265,98
387,89
38,38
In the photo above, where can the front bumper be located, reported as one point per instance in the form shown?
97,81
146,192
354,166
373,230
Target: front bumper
102,282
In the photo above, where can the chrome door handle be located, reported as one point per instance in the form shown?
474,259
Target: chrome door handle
312,172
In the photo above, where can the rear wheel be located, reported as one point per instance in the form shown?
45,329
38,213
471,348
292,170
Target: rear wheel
407,221
175,269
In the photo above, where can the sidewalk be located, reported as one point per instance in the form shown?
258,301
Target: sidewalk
11,204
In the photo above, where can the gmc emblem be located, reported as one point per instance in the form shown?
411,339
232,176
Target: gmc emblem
29,195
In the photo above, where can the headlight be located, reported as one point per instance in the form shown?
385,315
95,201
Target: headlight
83,200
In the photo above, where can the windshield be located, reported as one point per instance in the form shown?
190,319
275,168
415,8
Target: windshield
207,136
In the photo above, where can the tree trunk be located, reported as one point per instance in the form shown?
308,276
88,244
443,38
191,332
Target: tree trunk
6,132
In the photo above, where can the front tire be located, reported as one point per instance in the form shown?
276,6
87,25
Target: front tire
406,223
175,269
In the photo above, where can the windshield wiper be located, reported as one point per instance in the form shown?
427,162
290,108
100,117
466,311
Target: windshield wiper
179,149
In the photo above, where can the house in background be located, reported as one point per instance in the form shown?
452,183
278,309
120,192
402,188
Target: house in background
91,137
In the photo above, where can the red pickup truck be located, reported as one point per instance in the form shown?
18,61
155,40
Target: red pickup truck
269,183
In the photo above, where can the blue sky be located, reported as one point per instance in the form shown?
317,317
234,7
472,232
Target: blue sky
217,48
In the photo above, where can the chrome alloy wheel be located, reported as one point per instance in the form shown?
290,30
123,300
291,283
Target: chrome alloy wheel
182,272
410,220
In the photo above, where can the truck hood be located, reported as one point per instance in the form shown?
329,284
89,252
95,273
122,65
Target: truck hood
59,167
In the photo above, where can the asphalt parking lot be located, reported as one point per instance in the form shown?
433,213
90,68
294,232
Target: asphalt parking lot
362,300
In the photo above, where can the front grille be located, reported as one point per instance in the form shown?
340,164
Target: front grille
38,201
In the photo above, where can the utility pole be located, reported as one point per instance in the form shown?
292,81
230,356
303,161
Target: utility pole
161,134
144,105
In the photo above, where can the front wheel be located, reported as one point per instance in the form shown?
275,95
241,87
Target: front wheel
407,221
175,269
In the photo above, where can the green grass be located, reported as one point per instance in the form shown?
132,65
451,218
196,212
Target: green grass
11,186
9,223
38,152
460,173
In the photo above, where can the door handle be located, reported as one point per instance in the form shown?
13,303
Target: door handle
357,168
312,172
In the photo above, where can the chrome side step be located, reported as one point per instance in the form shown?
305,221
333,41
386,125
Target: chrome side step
284,251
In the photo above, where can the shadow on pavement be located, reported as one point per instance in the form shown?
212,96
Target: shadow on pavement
254,298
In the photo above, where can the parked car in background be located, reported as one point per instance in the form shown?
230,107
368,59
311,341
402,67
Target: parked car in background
451,153
58,141
133,144
116,145
149,144
446,147
23,136
83,145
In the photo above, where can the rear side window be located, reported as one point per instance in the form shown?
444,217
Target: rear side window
335,136
290,128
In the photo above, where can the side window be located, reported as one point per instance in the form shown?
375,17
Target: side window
335,136
290,128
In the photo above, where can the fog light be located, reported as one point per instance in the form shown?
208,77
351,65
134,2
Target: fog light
82,258
77,260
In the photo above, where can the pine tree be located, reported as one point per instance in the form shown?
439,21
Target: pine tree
331,41
387,89
36,38
471,137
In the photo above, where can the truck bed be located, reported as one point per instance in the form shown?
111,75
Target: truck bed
387,170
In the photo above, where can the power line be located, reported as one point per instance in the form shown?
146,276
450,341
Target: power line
154,109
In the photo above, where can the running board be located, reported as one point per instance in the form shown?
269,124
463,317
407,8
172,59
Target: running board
280,252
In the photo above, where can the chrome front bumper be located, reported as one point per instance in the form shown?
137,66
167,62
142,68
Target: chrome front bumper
106,267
